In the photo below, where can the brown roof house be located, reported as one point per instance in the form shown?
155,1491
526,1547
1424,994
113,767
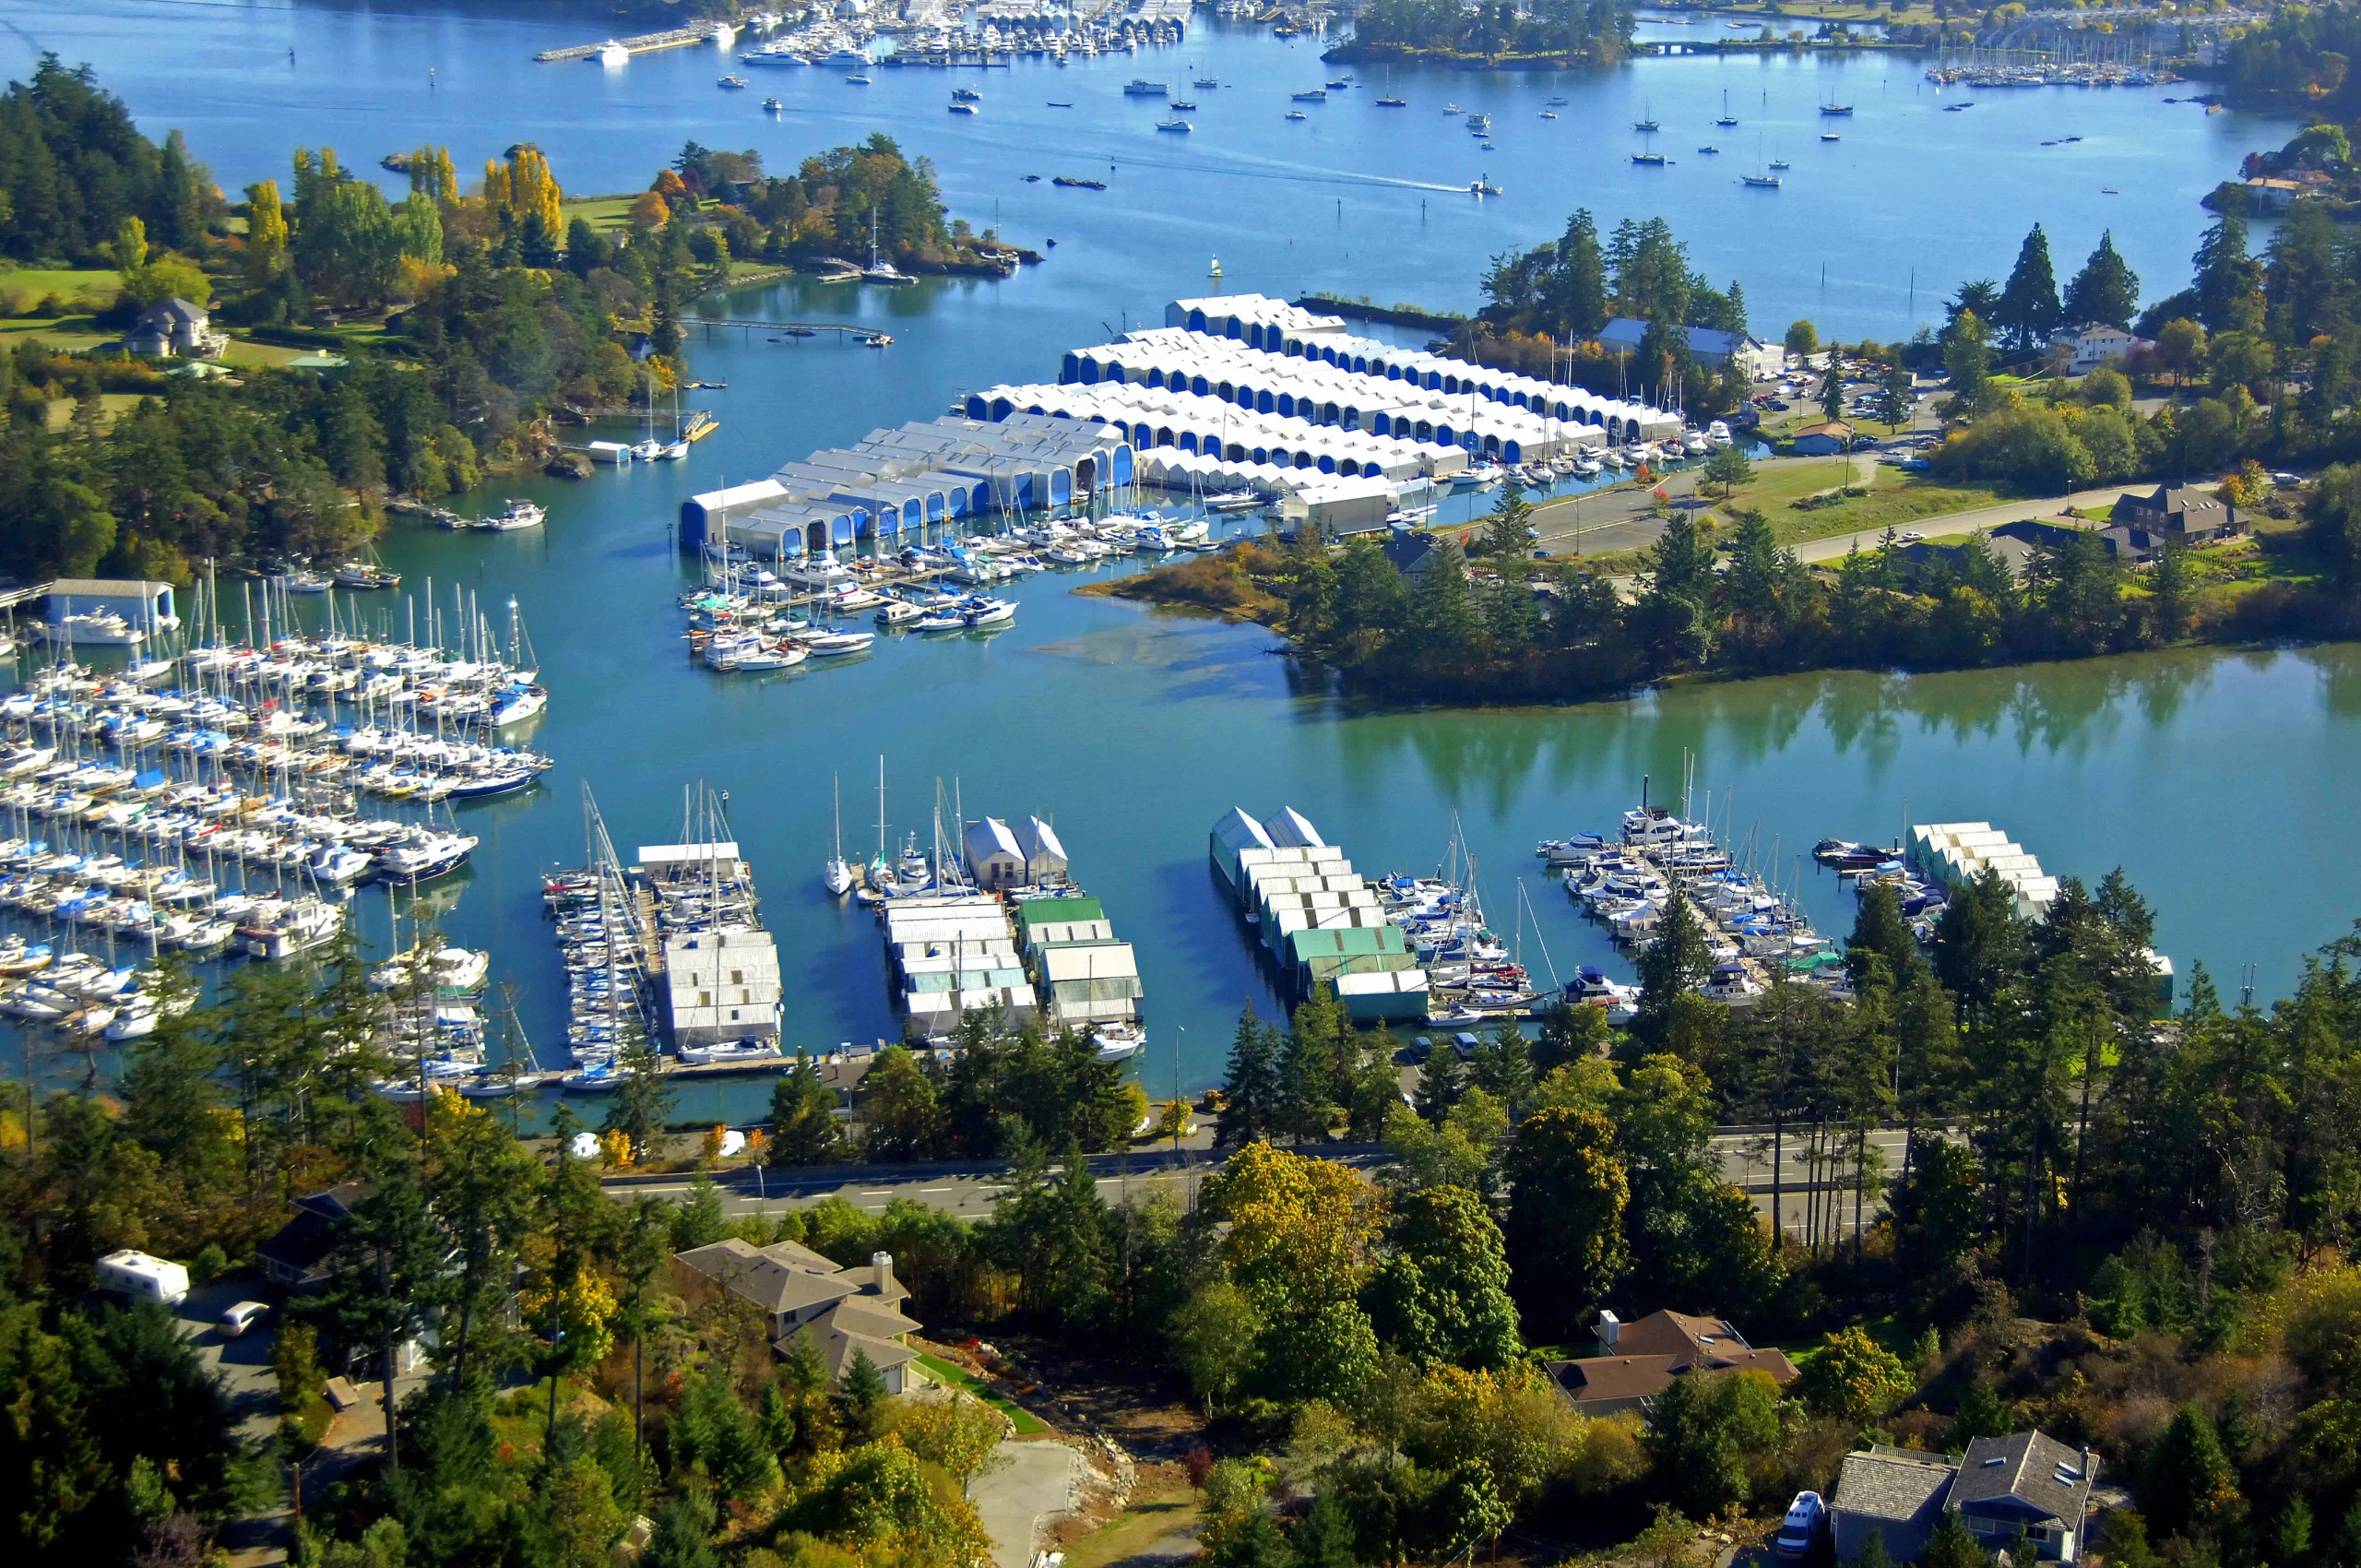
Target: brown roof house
1638,1360
2026,1493
801,1292
2182,512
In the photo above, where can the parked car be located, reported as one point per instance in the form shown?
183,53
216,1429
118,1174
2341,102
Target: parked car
1806,1521
239,1318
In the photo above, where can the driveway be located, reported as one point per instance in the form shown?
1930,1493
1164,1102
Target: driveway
1028,1482
243,1364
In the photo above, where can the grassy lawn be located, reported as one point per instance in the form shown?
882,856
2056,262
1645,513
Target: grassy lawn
1894,499
1149,1519
268,355
604,214
27,286
943,1371
61,409
68,335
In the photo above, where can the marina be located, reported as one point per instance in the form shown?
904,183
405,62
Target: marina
1182,713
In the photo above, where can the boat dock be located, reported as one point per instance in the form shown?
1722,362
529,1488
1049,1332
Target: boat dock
646,43
1321,921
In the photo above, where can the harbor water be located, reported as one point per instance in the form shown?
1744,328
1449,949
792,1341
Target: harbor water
1132,730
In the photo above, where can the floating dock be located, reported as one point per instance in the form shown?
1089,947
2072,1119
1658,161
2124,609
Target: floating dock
646,43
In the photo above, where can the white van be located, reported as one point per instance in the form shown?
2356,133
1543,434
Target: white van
143,1279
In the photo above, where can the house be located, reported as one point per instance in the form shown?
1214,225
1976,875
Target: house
296,1260
1412,552
1893,1494
2180,513
2090,345
2025,1488
1823,440
1638,1360
2014,553
2017,1492
175,328
801,1292
1708,346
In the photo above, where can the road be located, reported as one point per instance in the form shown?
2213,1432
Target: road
969,1190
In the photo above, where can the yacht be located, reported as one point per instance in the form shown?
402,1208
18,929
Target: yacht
367,574
730,1053
1136,88
612,53
518,515
1181,127
288,927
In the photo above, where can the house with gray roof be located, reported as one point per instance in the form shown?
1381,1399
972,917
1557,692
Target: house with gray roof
2025,1493
1892,1494
799,1293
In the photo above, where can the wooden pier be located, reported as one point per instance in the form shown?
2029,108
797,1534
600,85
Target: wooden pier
646,43
792,328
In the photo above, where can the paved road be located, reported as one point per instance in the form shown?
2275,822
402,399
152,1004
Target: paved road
970,1191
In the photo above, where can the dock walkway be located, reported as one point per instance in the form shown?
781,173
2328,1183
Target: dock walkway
646,43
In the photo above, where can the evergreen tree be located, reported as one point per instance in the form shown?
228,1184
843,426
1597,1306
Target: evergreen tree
1673,964
804,1129
1251,1091
2227,276
1952,1545
2028,311
1325,1538
2190,1485
2107,290
1577,295
1967,358
1504,532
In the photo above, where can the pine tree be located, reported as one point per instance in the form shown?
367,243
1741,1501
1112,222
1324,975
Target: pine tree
1676,961
1504,533
1577,295
1951,1545
1250,1101
2107,290
2029,310
804,1130
2226,277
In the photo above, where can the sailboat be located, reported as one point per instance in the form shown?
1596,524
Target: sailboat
879,271
1832,107
1760,180
1647,125
838,877
1389,100
1727,118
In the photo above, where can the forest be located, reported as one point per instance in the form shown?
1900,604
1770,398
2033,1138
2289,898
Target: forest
1596,30
2125,1226
476,327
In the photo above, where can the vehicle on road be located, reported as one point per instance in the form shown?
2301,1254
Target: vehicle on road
234,1323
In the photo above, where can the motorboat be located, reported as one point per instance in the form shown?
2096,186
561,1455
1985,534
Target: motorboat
518,515
291,926
836,644
730,1053
612,52
1119,1041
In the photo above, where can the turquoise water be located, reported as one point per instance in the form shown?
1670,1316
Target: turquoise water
1132,730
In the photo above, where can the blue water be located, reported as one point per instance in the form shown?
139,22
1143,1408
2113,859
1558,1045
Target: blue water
1133,730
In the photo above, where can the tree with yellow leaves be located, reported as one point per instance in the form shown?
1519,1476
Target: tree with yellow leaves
266,233
1302,1238
433,174
524,187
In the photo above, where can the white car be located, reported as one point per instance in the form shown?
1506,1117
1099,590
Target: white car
239,1318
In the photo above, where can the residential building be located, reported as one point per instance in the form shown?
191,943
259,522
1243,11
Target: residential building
1638,1360
1708,346
296,1260
1823,440
801,1292
175,328
1893,1494
2090,345
2025,1493
1412,552
2182,513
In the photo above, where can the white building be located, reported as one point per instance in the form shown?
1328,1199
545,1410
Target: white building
721,985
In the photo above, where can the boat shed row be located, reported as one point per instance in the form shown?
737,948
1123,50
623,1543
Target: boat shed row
1190,370
1957,853
955,954
1321,921
1087,978
909,482
1276,327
